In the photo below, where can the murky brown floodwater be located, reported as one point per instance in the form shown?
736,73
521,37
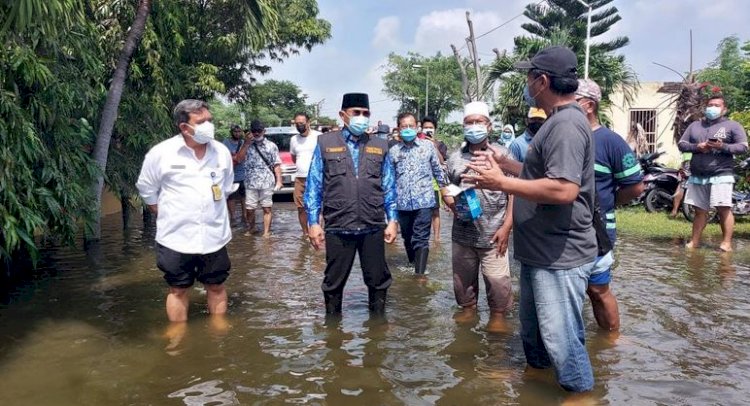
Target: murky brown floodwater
90,333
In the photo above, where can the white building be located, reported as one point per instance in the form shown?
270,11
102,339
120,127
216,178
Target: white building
654,110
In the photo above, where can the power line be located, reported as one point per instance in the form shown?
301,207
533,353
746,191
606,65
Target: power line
502,25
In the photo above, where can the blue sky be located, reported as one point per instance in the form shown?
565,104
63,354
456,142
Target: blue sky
364,32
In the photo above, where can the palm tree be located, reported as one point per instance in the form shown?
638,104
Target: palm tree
563,23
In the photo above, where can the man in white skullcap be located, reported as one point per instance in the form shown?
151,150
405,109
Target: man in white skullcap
481,243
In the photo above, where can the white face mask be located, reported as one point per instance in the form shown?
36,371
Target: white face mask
203,132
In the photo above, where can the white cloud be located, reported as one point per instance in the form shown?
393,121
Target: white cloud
386,33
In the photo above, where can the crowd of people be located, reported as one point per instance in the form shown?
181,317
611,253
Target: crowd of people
554,188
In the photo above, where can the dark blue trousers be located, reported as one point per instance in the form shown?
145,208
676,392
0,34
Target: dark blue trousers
415,229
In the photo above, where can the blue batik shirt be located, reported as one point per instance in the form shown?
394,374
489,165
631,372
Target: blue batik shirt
416,165
313,197
615,166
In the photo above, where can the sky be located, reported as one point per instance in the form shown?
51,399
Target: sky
364,32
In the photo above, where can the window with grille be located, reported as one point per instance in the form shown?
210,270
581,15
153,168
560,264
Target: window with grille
647,119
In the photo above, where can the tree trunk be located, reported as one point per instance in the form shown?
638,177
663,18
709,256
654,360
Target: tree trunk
464,76
109,112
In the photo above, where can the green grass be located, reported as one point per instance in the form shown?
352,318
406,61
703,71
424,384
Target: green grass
636,221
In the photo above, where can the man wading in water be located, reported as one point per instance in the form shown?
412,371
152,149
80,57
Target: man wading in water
351,180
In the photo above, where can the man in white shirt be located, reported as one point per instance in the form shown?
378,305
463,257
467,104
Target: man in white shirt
302,146
185,181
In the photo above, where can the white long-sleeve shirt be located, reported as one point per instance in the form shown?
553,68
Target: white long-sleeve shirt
189,220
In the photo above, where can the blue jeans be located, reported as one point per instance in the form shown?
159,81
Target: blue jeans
552,330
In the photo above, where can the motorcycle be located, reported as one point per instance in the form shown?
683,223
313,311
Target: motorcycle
740,199
660,183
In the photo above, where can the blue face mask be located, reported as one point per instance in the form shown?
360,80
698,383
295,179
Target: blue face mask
527,97
408,134
506,135
358,124
713,112
476,133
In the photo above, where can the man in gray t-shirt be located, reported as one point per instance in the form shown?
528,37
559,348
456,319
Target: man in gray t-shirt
553,230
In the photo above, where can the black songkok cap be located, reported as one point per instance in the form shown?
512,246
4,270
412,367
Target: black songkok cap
360,100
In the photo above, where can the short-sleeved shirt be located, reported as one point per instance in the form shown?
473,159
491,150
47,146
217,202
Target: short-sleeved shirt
260,175
302,148
615,166
520,145
234,147
558,236
477,233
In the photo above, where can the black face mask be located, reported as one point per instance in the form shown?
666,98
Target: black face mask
532,128
301,128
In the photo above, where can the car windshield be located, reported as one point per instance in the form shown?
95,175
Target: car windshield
281,141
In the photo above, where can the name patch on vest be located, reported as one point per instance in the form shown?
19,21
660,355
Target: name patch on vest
374,150
336,149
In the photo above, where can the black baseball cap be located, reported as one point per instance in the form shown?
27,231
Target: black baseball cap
558,61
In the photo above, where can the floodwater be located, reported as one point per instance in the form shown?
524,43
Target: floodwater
90,331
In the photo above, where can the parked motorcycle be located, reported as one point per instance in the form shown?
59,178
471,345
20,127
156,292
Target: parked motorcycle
660,183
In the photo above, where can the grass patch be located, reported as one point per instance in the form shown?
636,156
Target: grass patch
637,221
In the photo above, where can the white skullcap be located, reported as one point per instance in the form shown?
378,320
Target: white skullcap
477,107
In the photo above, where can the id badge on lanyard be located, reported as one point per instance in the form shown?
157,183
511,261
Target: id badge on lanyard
215,188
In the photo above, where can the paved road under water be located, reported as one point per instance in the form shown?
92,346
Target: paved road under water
90,331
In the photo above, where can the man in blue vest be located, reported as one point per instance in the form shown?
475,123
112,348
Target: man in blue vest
351,180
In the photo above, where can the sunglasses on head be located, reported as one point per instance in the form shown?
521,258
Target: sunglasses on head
358,112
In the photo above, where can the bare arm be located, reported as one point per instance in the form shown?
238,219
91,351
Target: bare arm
627,193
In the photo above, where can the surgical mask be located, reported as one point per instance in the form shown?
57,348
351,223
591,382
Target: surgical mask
507,135
358,124
475,133
713,112
532,128
301,128
203,133
408,134
527,97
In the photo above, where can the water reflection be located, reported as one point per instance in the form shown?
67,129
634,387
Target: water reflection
94,332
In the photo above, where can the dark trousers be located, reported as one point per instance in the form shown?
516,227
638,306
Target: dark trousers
340,251
415,229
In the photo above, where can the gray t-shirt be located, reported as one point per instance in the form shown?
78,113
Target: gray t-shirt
477,233
558,236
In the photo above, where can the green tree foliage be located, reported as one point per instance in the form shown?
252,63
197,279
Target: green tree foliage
50,82
56,60
731,72
276,102
406,84
563,22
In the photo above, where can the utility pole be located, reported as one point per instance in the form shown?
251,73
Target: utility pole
474,55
